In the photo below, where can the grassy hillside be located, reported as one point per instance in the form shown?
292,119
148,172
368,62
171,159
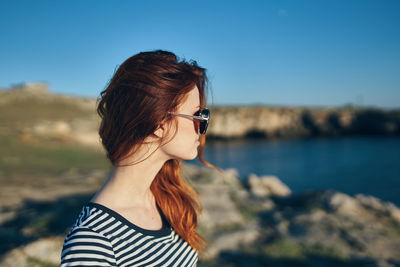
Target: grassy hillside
18,158
22,154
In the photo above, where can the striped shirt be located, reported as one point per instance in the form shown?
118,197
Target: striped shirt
103,237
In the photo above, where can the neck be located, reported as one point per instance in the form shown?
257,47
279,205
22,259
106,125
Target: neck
130,185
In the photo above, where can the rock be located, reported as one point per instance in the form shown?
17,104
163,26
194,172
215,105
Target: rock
52,128
370,202
394,212
32,88
231,240
363,206
379,206
256,187
231,177
267,185
221,221
59,130
45,250
218,207
350,227
344,204
215,193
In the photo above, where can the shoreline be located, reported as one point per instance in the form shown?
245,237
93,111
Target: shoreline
260,220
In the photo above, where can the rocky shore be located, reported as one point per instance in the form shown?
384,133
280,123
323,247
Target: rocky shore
258,222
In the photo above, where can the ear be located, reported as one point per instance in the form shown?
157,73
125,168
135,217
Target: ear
160,131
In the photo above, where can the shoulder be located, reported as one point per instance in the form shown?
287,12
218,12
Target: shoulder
86,246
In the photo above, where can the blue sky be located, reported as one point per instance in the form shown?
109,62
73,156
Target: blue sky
302,53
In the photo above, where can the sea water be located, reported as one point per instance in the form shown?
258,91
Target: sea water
356,164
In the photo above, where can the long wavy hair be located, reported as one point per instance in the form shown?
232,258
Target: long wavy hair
134,104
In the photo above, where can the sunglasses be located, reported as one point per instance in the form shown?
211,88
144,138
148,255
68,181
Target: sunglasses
200,119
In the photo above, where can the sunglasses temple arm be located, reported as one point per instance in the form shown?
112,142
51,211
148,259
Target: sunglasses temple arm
190,116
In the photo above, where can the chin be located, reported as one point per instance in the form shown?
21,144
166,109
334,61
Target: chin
194,156
190,157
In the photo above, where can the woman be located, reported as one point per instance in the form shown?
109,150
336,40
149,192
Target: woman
153,116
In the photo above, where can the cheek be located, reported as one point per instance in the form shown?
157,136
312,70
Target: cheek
188,128
182,146
185,134
192,126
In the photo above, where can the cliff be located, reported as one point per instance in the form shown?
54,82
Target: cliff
289,122
32,112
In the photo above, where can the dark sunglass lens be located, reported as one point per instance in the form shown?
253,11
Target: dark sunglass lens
205,113
196,125
196,122
203,127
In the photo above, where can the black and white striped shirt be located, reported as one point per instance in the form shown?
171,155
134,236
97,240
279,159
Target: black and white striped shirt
103,237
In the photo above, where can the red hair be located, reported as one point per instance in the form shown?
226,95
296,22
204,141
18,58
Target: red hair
135,103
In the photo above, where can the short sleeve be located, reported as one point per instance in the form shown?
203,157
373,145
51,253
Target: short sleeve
85,247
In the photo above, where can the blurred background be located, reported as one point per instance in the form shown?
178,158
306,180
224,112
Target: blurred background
305,106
